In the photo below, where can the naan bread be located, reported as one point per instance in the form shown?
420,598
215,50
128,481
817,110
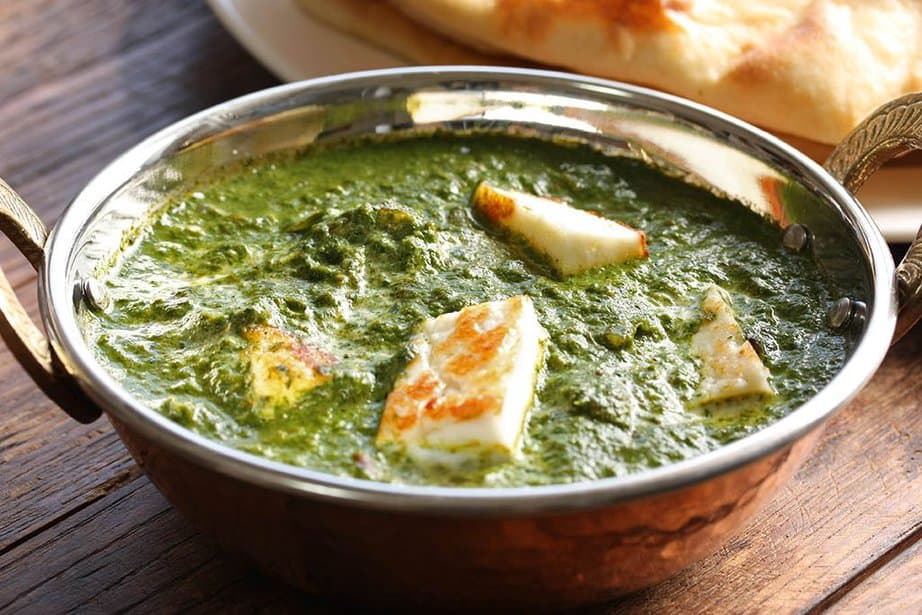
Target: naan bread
812,68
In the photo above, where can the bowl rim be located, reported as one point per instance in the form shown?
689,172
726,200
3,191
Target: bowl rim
56,301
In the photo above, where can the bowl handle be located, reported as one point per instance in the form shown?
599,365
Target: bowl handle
892,130
24,339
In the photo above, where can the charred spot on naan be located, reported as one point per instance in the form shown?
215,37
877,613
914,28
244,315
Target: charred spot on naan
536,17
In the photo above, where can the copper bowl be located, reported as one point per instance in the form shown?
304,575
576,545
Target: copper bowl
542,547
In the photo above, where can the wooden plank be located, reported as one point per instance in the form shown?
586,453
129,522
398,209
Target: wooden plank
893,588
16,268
67,128
132,550
51,464
47,43
857,496
44,40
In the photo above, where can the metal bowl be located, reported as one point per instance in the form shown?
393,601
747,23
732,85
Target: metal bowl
544,547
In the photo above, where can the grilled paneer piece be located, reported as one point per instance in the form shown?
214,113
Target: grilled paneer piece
282,367
573,240
468,388
730,366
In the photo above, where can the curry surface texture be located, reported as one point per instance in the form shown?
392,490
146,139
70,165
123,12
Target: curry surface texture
351,247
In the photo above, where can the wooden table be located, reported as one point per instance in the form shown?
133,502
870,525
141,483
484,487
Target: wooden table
81,528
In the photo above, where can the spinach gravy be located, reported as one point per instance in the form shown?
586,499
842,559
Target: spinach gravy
338,254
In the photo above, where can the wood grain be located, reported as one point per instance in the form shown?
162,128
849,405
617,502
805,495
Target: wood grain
39,446
93,559
892,588
80,529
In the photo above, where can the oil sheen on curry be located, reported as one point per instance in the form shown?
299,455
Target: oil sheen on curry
464,310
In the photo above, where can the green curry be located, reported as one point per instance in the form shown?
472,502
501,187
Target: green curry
352,246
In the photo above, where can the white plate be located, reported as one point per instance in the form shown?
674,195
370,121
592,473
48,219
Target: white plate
295,47
292,45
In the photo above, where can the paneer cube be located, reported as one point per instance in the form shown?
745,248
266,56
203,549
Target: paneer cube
469,386
573,240
282,367
730,366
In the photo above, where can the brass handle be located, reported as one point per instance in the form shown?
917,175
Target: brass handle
24,339
892,130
